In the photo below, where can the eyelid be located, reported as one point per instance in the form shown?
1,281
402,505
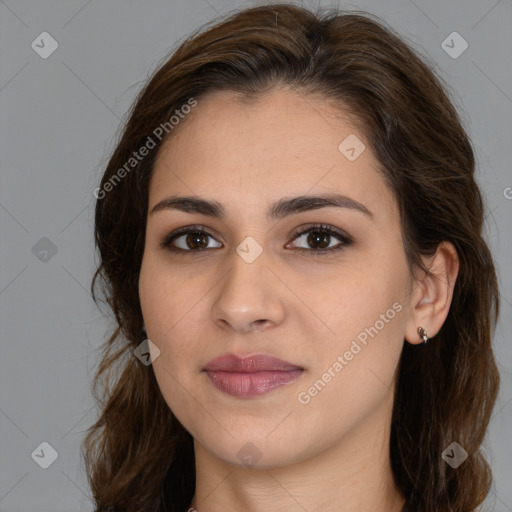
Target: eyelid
344,238
194,228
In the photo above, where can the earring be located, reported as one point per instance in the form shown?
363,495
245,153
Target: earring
423,334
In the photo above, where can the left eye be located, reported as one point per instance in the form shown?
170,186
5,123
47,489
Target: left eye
319,236
195,239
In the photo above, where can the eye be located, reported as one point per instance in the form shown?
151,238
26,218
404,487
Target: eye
187,239
319,237
194,239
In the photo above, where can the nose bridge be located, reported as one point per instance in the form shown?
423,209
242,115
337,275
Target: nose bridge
249,293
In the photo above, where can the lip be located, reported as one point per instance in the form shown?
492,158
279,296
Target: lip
249,364
250,376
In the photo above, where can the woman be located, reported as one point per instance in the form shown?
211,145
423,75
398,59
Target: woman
291,233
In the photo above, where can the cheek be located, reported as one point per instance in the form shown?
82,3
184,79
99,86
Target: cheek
354,374
173,307
170,307
367,311
167,298
358,295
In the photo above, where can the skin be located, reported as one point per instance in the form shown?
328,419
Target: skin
332,453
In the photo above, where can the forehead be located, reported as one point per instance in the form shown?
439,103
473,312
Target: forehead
248,153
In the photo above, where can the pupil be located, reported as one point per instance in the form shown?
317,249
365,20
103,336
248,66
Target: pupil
195,239
312,239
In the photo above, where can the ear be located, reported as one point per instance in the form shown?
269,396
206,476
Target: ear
432,293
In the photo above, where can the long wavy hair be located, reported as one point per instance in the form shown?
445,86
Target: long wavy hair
138,456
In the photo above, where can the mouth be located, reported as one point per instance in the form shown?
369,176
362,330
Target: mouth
250,376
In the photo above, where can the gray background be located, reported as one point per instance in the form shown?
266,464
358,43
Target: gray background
59,118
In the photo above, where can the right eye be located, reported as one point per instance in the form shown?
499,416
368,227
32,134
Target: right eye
187,239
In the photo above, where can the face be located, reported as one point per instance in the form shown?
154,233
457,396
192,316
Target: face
324,289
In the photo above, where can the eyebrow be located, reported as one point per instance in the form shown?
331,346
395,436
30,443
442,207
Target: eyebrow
278,210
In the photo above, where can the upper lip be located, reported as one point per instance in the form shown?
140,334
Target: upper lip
249,364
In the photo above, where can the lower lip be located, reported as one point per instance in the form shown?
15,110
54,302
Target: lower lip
251,384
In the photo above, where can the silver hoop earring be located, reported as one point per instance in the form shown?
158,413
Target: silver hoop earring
423,334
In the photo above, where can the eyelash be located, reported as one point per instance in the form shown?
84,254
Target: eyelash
322,228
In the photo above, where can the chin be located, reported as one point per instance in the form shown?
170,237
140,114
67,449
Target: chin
256,451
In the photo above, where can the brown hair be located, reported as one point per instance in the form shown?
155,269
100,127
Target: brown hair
138,456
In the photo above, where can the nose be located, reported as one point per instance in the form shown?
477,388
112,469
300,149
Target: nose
249,297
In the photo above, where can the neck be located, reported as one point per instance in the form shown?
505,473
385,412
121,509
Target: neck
353,475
